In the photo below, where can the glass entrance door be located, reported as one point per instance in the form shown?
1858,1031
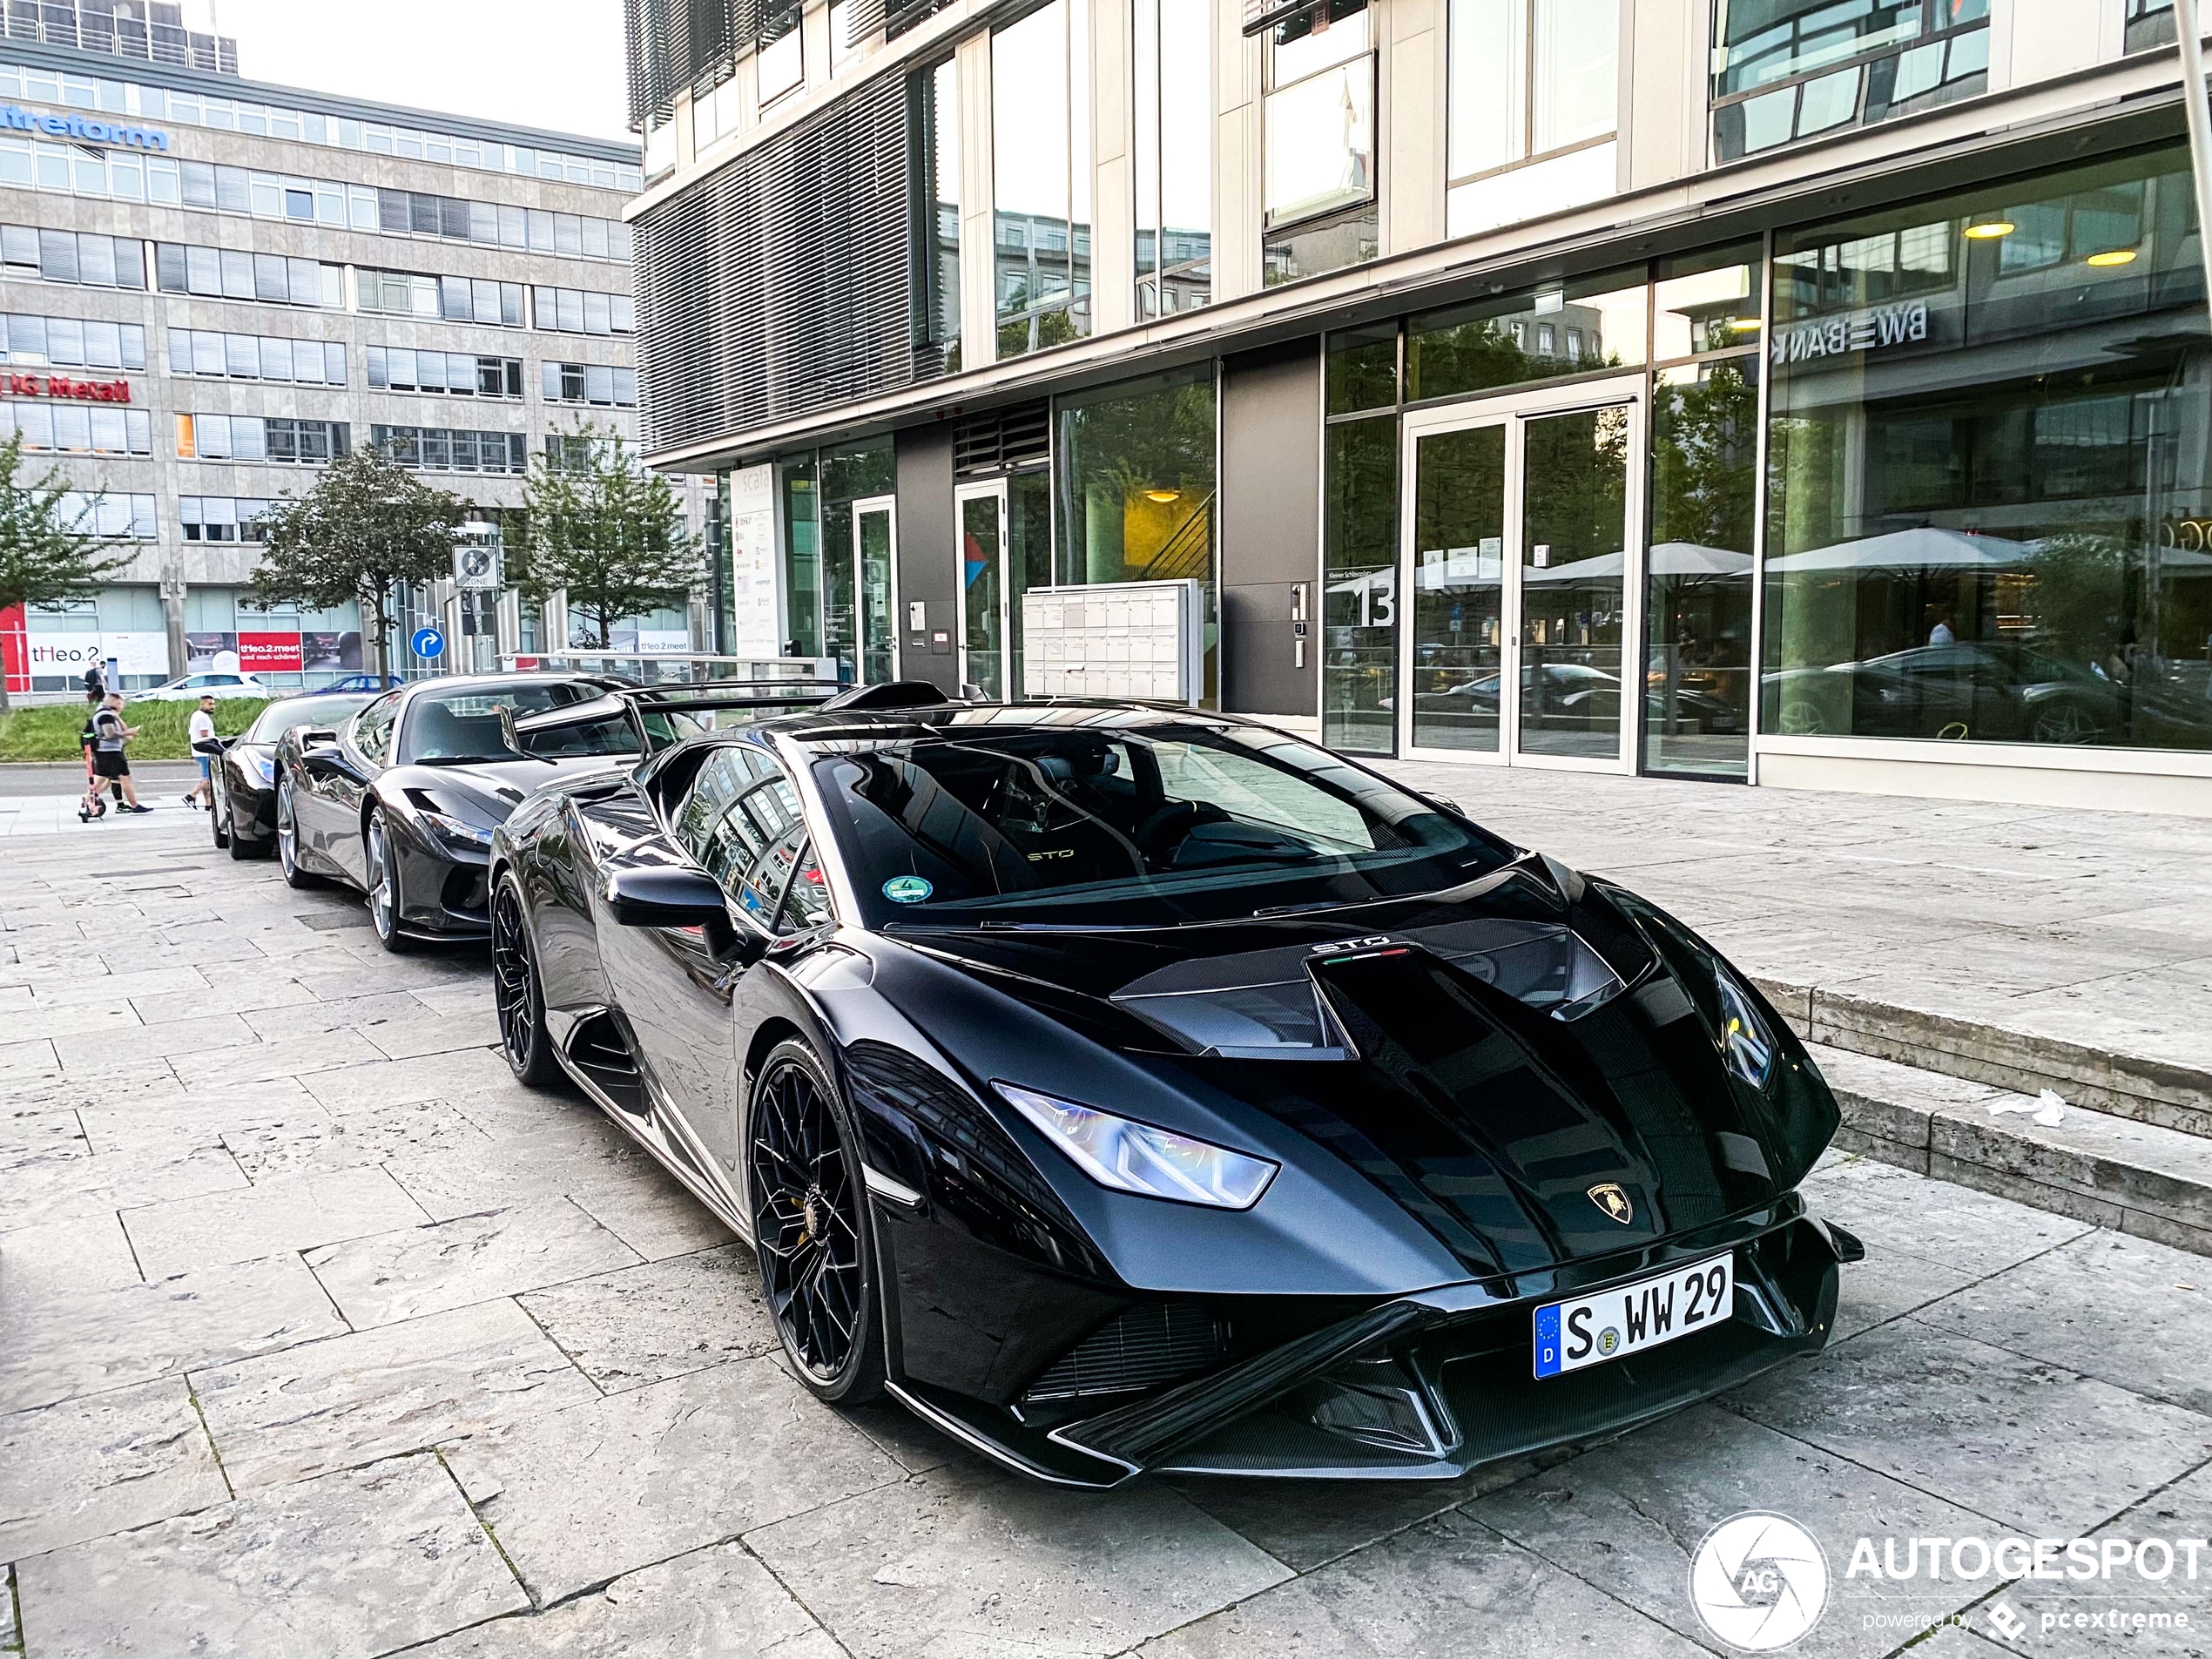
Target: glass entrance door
875,556
1523,557
982,512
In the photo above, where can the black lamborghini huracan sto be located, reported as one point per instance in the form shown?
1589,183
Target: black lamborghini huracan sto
1126,1088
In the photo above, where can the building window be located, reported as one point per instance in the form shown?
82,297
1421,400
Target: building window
1135,466
397,368
68,342
933,103
221,519
127,517
407,293
75,430
256,357
843,15
1803,67
779,63
1984,524
1321,141
1174,84
599,384
577,311
2150,24
233,274
1041,173
251,437
1534,91
73,256
429,448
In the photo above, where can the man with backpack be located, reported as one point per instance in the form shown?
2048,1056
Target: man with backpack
110,734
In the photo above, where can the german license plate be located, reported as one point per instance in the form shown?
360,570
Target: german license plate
1628,1318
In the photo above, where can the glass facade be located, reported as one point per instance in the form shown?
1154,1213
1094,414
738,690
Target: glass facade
1173,71
933,102
1136,465
1533,90
1319,121
1040,170
1987,488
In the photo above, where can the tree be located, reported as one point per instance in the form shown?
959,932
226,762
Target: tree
603,531
48,554
366,526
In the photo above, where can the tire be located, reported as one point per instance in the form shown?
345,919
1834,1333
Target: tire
287,839
387,902
516,992
812,1231
2065,723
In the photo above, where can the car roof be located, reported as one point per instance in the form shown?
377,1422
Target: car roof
493,681
829,730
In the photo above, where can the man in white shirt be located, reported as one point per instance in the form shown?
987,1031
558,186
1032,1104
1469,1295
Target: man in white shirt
200,730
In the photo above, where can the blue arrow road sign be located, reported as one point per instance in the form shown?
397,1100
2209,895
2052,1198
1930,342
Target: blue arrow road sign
428,643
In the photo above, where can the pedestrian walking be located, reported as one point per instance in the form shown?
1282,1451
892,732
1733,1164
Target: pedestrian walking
200,730
95,685
109,734
91,807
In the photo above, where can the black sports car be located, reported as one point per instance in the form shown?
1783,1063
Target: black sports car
400,799
242,807
1130,1088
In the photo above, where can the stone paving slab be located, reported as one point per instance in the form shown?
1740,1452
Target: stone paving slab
290,1213
582,1495
646,1324
404,1275
352,1399
85,1468
344,1567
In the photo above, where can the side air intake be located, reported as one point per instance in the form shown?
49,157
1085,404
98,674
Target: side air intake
1146,1347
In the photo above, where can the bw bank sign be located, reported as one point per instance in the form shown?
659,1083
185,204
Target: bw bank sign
84,129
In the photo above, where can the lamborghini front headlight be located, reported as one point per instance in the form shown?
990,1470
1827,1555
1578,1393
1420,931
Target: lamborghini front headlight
1136,1157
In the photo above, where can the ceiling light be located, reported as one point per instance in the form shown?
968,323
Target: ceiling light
2112,256
1163,496
1745,325
1990,229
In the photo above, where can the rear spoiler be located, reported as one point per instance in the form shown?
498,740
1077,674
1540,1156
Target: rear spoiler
708,696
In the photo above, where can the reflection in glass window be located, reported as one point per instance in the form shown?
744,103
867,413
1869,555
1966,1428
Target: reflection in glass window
934,94
779,64
1319,171
1135,464
1987,489
1707,301
1360,584
1530,80
1041,171
1697,568
1592,323
1174,157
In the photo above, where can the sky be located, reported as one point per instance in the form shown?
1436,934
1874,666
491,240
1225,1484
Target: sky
555,64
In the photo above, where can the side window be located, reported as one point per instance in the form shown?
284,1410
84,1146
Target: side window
373,728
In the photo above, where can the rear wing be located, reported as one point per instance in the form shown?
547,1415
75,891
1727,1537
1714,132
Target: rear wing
637,705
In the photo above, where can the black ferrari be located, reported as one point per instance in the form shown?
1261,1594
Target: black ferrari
400,799
1126,1089
242,807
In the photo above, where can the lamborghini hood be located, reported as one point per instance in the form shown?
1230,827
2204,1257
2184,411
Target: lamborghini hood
1536,1073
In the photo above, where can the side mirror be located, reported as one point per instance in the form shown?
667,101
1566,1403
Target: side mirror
666,897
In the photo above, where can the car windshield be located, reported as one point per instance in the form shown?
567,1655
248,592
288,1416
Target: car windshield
279,718
463,724
1142,823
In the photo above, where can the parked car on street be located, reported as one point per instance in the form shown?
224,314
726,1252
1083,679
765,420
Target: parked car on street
243,808
190,688
366,682
1130,1088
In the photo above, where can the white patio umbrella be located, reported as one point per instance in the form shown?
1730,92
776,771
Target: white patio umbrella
1667,559
1923,548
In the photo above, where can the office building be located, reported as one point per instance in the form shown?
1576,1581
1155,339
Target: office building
1737,388
209,287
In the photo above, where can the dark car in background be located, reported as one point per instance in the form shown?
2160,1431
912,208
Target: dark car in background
400,799
370,683
1129,1089
242,809
1985,691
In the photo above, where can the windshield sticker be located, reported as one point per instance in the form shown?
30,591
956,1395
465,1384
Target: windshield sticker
906,889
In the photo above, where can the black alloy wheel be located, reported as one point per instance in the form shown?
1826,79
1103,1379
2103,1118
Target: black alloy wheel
516,990
811,1228
287,839
386,904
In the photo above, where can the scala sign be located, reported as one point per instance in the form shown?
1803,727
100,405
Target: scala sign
76,126
117,391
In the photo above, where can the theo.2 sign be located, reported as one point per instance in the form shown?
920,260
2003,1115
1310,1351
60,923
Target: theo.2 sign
76,126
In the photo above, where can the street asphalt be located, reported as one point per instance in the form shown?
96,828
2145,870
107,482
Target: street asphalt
319,1336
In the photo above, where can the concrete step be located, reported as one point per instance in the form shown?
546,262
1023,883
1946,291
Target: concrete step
2133,1175
2108,1080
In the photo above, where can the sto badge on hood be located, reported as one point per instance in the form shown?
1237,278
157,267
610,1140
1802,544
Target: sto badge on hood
1608,1196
